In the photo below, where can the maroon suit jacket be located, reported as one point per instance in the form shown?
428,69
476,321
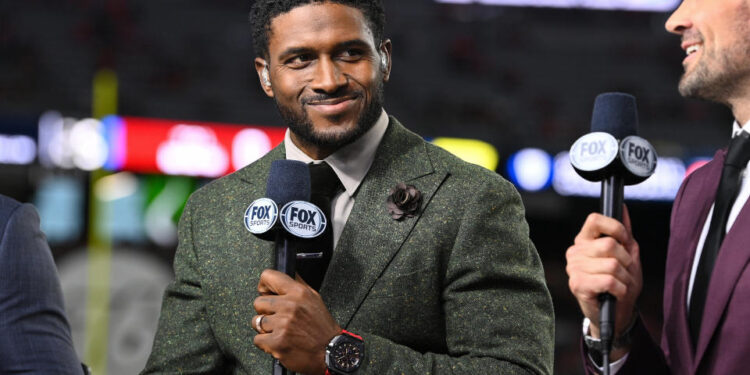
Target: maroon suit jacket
724,342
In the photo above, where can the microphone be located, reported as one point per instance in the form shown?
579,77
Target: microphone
613,154
288,181
288,187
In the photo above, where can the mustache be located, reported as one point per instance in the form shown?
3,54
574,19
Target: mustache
692,35
332,96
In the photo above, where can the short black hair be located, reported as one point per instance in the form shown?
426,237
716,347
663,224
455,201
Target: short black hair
263,11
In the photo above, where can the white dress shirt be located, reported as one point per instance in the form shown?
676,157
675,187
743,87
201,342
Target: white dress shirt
742,197
351,164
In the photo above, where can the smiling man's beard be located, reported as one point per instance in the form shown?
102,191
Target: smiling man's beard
716,85
730,68
301,125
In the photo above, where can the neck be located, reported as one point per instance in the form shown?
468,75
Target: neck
313,151
741,112
740,105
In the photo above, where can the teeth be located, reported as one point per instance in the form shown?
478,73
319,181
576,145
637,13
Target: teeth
692,49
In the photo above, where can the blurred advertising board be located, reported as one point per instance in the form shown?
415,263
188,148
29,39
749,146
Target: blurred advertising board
171,147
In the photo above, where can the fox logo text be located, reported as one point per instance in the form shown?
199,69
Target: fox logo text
638,156
593,151
261,215
303,219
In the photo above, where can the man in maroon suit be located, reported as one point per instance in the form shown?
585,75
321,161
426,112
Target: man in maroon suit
707,281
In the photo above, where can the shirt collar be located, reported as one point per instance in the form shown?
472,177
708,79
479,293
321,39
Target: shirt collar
736,128
351,162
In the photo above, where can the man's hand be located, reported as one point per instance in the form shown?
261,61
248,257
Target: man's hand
605,258
297,323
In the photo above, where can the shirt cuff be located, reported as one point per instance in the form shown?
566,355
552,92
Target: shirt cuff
614,367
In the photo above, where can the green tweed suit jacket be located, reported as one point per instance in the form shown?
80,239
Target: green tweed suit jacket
458,289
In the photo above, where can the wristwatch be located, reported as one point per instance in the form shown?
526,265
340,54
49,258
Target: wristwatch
344,354
619,342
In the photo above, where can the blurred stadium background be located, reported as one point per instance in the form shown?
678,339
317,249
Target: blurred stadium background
112,112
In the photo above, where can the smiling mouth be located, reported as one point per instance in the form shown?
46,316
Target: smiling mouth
333,101
690,52
333,106
693,49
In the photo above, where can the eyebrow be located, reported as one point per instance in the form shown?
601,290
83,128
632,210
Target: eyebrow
352,43
302,50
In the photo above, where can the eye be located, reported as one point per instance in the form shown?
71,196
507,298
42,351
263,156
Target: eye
299,61
351,54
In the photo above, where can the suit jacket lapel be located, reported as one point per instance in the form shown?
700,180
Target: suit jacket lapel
371,238
691,212
731,261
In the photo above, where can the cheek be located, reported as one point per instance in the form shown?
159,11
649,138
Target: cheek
367,76
724,27
287,85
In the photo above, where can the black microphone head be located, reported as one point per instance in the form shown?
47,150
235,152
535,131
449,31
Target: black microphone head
288,180
615,113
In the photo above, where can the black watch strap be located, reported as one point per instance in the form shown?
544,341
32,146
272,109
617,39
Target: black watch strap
594,344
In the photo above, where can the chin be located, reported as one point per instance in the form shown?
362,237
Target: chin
336,137
334,127
325,125
689,89
693,82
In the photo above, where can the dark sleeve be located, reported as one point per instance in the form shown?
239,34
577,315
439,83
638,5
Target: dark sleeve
34,333
645,357
184,342
498,311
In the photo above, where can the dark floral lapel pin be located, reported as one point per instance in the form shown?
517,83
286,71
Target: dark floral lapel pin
403,201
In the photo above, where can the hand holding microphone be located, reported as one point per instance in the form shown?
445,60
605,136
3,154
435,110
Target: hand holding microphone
604,262
296,322
605,258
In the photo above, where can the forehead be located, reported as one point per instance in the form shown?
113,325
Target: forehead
317,24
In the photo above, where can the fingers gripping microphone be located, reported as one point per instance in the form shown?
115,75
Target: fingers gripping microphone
613,154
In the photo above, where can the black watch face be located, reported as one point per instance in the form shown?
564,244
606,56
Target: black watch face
346,356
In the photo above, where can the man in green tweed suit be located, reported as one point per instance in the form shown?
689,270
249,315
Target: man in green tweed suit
441,280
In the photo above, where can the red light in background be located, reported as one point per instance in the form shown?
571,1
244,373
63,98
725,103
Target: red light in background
191,148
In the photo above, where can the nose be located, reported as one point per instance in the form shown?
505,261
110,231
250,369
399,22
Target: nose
328,77
679,21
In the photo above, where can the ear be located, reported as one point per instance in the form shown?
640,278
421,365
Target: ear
385,50
261,67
